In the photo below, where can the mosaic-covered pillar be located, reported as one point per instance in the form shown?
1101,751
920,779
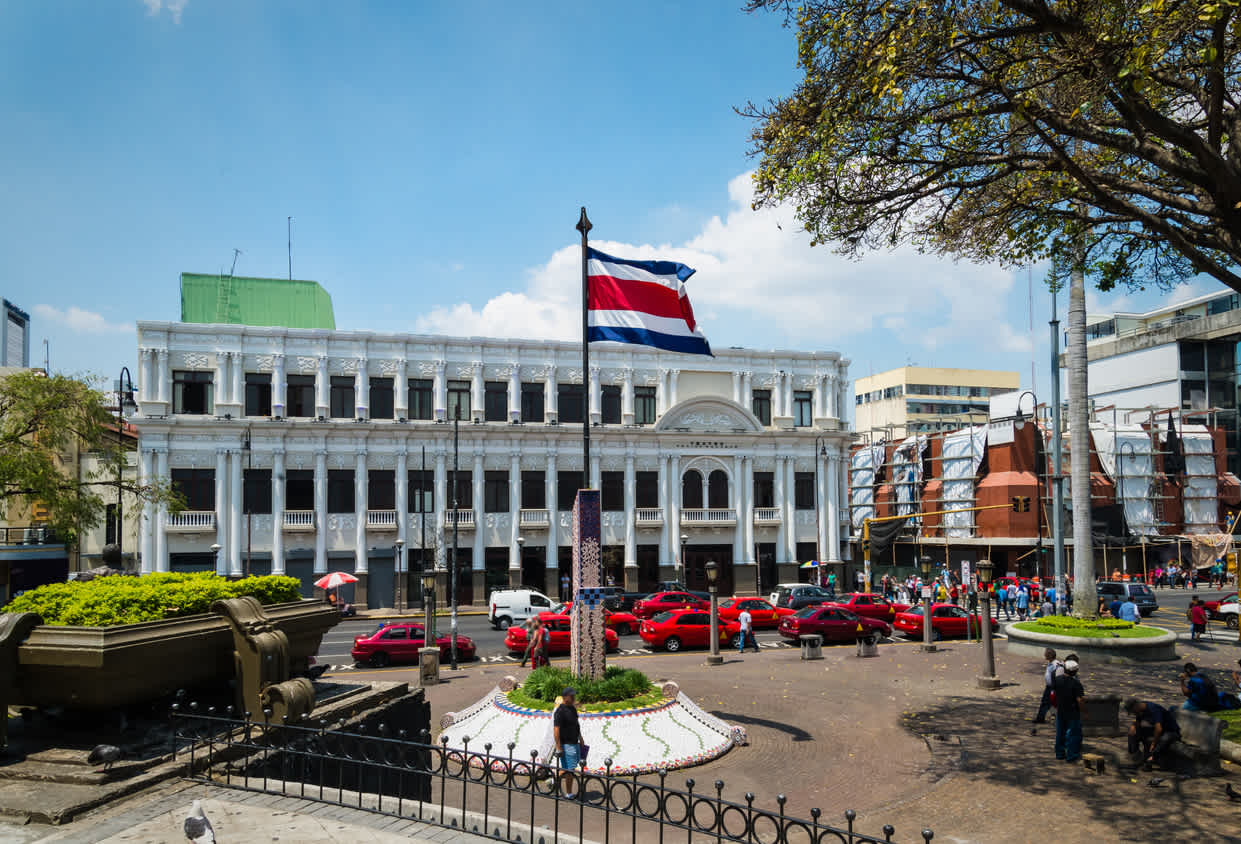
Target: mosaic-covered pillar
588,653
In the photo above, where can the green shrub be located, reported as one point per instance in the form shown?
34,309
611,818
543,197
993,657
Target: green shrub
106,601
618,685
1068,622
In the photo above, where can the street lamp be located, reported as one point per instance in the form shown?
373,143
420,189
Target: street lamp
987,680
429,657
927,564
681,572
521,561
215,552
396,573
124,405
713,573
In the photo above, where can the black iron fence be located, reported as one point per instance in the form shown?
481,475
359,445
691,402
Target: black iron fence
484,790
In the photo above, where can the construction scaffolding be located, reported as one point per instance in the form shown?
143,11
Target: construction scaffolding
907,471
963,453
862,473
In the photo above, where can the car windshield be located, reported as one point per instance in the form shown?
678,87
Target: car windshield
914,611
805,612
560,609
1139,589
847,615
662,617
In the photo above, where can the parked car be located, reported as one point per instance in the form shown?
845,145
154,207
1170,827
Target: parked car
507,606
625,600
400,641
1110,590
870,605
683,629
1227,611
834,623
1213,607
623,623
762,614
653,605
559,627
946,620
801,595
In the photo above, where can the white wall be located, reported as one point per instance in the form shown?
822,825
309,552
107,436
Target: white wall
1138,369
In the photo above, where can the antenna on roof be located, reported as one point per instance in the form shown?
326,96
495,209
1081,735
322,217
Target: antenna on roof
236,252
290,248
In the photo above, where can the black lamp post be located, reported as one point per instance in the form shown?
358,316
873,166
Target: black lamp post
396,574
681,573
986,680
713,573
430,660
245,499
124,405
927,564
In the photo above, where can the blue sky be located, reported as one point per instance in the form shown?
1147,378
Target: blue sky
433,157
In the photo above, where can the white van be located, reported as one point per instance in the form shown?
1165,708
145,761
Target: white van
506,606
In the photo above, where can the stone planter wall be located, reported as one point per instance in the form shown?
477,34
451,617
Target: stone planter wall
1151,649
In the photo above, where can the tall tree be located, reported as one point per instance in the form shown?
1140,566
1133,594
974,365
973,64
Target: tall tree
46,422
1101,135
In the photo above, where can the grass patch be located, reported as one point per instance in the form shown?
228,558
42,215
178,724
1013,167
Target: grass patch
1232,723
1092,631
620,688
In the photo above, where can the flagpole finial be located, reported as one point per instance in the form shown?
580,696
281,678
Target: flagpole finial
583,223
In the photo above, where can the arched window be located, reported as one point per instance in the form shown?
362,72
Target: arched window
717,490
691,490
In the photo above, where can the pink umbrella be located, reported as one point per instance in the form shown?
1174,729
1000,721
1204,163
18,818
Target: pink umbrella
335,579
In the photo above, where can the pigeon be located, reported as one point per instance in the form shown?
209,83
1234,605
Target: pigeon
105,754
1155,782
1232,795
197,827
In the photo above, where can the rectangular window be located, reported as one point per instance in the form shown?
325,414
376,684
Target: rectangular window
612,491
299,489
300,395
647,489
760,403
569,401
196,486
256,491
258,394
422,491
533,491
802,414
465,489
109,522
382,399
610,404
192,392
644,405
459,400
803,490
341,399
495,491
340,498
764,489
532,403
567,485
495,401
420,399
381,489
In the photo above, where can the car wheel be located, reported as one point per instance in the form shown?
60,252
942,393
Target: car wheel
379,659
623,630
504,622
1231,621
935,635
735,641
672,643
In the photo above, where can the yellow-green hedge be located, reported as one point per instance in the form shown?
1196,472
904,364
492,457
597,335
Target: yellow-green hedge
119,599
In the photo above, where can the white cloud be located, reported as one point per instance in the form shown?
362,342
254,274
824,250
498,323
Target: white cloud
759,283
80,321
174,7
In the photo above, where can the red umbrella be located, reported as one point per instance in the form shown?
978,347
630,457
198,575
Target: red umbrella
335,579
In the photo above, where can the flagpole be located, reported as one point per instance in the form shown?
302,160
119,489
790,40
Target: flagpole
584,226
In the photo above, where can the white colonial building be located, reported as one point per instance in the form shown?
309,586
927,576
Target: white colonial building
302,451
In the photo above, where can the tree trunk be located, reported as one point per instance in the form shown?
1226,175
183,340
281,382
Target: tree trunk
1085,601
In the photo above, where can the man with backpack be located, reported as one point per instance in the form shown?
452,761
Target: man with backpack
1200,693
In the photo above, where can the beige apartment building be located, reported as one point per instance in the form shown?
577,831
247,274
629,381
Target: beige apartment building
913,399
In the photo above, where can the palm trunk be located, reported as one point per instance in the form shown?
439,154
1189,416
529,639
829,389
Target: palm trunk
1085,602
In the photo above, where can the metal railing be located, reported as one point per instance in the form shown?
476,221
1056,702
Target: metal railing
29,535
299,519
191,520
495,794
533,518
709,517
382,519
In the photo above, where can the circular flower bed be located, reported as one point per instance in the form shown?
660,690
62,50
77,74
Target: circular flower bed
619,689
1103,640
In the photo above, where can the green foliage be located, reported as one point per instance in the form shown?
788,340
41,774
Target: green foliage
619,688
1069,622
1232,723
1107,628
119,599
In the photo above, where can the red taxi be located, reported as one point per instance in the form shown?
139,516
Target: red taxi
623,623
653,605
559,627
683,629
869,605
834,623
1214,604
400,641
946,620
762,614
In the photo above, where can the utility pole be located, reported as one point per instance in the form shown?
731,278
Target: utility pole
1057,458
452,568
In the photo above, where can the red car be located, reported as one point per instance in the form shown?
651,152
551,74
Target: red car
833,623
559,627
1214,605
762,614
683,629
400,641
623,623
946,620
653,605
870,605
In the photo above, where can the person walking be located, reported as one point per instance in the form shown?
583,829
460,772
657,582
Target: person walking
529,625
568,736
1049,679
1023,602
538,648
1197,619
746,633
565,583
1070,708
1010,599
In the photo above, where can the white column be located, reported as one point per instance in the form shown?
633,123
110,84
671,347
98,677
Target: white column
777,397
514,508
842,398
833,504
362,390
323,389
477,488
673,376
552,489
747,479
672,516
219,382
627,415
631,514
784,528
823,549
442,502
596,397
790,511
402,508
321,512
440,388
277,511
706,500
146,374
477,411
400,390
788,393
737,387
829,398
279,397
747,390
239,392
221,511
164,378
146,538
359,509
661,393
234,513
161,520
550,396
514,393
665,507
738,498
594,478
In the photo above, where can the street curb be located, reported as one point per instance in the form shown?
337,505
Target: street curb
379,613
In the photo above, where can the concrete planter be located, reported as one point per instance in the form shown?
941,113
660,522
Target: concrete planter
1151,649
106,667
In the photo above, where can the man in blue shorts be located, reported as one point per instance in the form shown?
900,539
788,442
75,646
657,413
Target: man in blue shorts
568,739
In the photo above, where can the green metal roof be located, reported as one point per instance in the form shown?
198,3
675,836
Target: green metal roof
255,301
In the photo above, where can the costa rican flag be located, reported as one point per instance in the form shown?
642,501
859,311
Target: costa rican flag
641,302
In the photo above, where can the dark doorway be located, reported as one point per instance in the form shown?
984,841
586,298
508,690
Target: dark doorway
767,573
496,572
564,562
465,574
696,559
648,568
533,565
381,584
